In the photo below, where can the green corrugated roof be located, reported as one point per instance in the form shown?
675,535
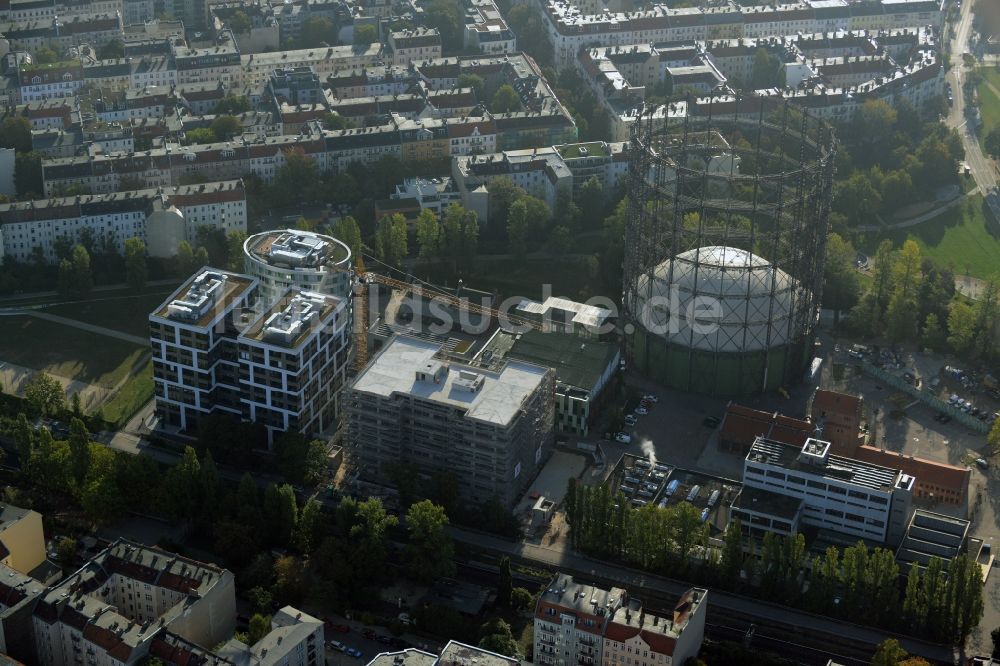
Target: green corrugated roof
578,362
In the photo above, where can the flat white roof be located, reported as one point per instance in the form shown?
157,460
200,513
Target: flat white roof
586,315
394,370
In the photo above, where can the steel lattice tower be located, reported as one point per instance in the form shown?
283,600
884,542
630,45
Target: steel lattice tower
729,203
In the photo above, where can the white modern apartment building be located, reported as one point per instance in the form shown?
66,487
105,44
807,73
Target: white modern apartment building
193,334
217,348
160,217
305,260
583,625
841,494
490,430
110,611
293,360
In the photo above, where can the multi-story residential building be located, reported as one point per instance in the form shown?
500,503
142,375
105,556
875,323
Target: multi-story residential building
61,32
571,619
295,639
114,608
255,68
280,365
18,594
491,430
607,162
486,30
305,260
845,495
460,654
22,542
218,64
643,639
49,113
297,85
138,11
23,10
582,624
293,360
7,164
414,44
261,35
56,80
196,364
433,194
162,218
453,654
571,30
542,172
127,105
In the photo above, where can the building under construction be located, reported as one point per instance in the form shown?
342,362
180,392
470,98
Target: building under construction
414,411
724,245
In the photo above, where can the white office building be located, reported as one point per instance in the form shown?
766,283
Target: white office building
840,494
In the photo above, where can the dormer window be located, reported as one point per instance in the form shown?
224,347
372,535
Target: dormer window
36,80
67,76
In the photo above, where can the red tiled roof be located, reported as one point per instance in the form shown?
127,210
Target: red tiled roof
744,424
833,401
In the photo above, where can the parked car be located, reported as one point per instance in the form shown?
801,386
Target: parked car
406,619
651,397
641,411
353,652
631,420
336,645
623,438
711,421
983,463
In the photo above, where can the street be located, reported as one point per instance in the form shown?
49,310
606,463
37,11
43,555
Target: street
981,167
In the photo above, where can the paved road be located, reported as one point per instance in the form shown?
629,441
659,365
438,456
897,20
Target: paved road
83,326
38,295
982,168
643,583
919,219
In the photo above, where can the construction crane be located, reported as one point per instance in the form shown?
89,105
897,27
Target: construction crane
363,278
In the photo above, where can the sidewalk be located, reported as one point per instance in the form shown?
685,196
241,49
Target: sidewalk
919,219
105,287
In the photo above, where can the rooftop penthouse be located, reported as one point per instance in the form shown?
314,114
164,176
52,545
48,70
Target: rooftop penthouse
204,297
290,321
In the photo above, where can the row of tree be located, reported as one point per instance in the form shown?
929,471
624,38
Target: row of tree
891,156
912,299
942,601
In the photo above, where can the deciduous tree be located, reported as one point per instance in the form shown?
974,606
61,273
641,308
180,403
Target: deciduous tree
136,270
431,548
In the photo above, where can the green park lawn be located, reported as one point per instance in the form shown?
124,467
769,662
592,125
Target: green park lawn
128,314
68,352
989,102
134,393
966,239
